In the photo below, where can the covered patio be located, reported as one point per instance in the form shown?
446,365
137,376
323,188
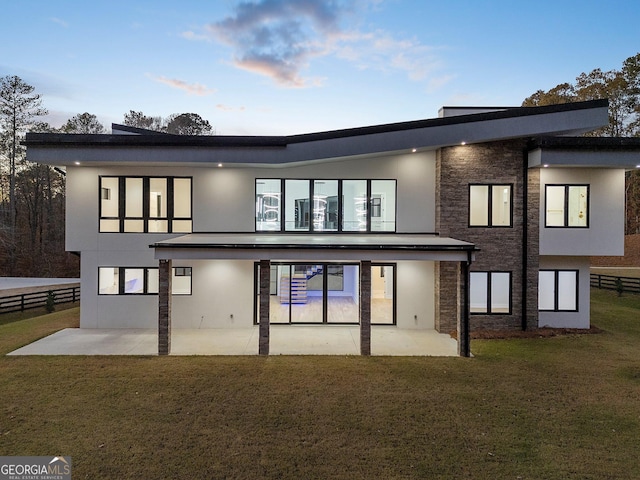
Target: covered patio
360,249
284,340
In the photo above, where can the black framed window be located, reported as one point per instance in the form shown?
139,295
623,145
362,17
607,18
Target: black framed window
325,205
145,204
490,292
490,205
558,290
567,206
140,281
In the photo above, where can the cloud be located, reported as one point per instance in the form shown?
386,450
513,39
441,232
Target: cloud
59,22
438,82
229,108
190,35
280,38
191,88
380,51
277,38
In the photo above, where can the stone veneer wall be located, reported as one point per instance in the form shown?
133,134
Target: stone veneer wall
500,248
533,242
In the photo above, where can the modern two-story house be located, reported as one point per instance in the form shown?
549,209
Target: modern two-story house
480,218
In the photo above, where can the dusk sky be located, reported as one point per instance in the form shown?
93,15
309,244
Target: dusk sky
280,67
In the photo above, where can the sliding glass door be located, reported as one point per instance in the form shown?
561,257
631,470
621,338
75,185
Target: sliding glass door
327,293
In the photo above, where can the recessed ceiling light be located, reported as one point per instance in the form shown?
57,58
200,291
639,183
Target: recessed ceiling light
219,165
546,165
463,143
77,163
414,150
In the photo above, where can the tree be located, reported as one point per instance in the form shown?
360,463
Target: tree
188,124
19,106
622,88
175,124
83,123
563,93
140,120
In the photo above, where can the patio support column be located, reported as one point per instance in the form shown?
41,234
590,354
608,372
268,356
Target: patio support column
365,307
464,349
164,307
265,278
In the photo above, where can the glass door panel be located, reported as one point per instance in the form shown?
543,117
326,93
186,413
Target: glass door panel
325,205
343,292
354,206
297,208
280,302
307,293
382,292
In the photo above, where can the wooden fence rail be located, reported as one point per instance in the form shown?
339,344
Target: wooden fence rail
611,282
25,301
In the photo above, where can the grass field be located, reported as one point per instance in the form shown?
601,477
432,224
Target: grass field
631,272
545,408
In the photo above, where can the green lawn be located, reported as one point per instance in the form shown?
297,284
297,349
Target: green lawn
631,272
552,408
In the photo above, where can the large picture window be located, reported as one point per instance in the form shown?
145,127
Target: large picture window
558,290
490,205
269,205
567,206
145,204
140,281
490,292
293,205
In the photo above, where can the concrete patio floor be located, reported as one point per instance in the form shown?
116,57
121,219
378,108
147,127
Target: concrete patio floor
284,340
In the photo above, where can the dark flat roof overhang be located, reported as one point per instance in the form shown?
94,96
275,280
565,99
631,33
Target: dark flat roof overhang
319,246
164,140
587,152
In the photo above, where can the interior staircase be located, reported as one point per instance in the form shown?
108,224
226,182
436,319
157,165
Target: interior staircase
294,289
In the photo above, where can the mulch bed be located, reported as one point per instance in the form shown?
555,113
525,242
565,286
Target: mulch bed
544,332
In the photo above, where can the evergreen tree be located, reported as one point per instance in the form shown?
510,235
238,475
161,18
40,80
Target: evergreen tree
19,107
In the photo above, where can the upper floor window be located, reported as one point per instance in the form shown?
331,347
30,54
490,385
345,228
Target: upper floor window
558,290
293,205
145,204
567,206
490,205
490,292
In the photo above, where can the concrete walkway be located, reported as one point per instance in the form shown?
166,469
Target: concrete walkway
284,340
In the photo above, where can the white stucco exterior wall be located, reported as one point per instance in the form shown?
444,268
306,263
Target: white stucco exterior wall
416,309
222,296
224,198
605,234
579,319
224,201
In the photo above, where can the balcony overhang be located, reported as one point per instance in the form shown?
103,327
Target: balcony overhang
314,247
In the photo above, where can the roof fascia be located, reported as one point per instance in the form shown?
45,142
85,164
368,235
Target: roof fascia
523,122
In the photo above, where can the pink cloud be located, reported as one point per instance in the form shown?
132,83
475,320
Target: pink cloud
191,88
